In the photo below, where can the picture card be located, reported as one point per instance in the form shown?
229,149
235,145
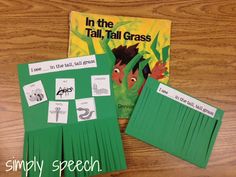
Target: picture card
65,89
35,93
86,109
100,85
57,112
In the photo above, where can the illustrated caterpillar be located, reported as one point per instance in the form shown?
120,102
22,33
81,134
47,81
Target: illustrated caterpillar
36,95
87,113
99,91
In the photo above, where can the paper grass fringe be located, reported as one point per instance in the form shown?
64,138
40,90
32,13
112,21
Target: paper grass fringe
173,127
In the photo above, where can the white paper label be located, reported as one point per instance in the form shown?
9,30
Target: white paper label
100,85
186,100
62,65
65,89
35,93
57,112
86,109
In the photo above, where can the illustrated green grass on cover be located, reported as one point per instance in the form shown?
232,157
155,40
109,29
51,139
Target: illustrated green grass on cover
175,122
70,115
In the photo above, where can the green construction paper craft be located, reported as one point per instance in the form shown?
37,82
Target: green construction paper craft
175,122
70,115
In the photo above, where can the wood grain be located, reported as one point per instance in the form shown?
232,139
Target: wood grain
203,63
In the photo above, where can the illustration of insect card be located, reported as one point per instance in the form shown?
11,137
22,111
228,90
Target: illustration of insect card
35,93
65,89
100,85
57,112
86,109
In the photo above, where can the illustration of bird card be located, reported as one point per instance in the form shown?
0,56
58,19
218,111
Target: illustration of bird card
57,112
35,93
100,85
65,89
86,109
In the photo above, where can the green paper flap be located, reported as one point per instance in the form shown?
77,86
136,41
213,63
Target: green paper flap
105,105
92,133
175,122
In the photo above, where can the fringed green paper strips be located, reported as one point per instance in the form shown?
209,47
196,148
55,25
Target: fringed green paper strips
70,115
44,146
93,141
175,122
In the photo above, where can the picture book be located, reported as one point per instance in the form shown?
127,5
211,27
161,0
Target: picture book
137,48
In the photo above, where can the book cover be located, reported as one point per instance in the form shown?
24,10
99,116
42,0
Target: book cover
137,48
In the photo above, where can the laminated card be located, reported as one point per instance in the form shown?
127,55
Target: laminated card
70,115
137,48
175,122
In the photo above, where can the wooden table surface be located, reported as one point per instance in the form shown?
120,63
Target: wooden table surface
203,64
